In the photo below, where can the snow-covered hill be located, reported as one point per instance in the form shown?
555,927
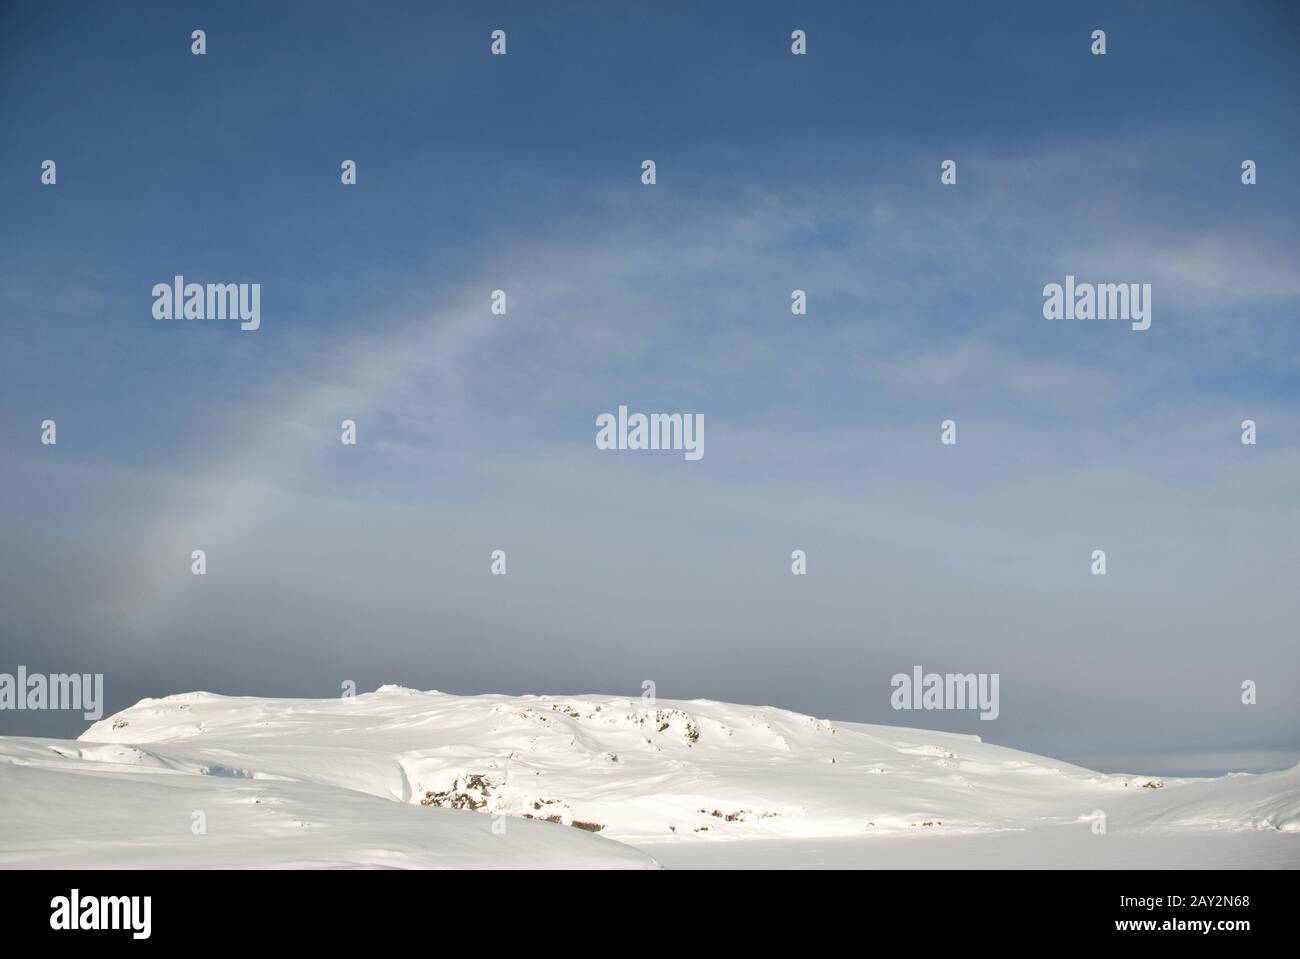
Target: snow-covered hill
406,778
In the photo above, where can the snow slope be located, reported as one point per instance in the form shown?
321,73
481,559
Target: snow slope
406,778
72,805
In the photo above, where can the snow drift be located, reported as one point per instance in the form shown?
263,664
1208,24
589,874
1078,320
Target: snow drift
400,777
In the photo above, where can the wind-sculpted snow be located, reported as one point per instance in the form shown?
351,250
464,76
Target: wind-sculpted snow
402,777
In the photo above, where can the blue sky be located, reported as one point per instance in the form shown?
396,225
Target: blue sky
476,431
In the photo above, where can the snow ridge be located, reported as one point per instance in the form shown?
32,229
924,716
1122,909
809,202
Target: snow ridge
400,777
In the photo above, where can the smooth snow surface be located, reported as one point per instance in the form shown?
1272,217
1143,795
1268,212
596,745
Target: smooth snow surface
401,778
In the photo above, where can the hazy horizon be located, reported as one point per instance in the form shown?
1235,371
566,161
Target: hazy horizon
328,563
